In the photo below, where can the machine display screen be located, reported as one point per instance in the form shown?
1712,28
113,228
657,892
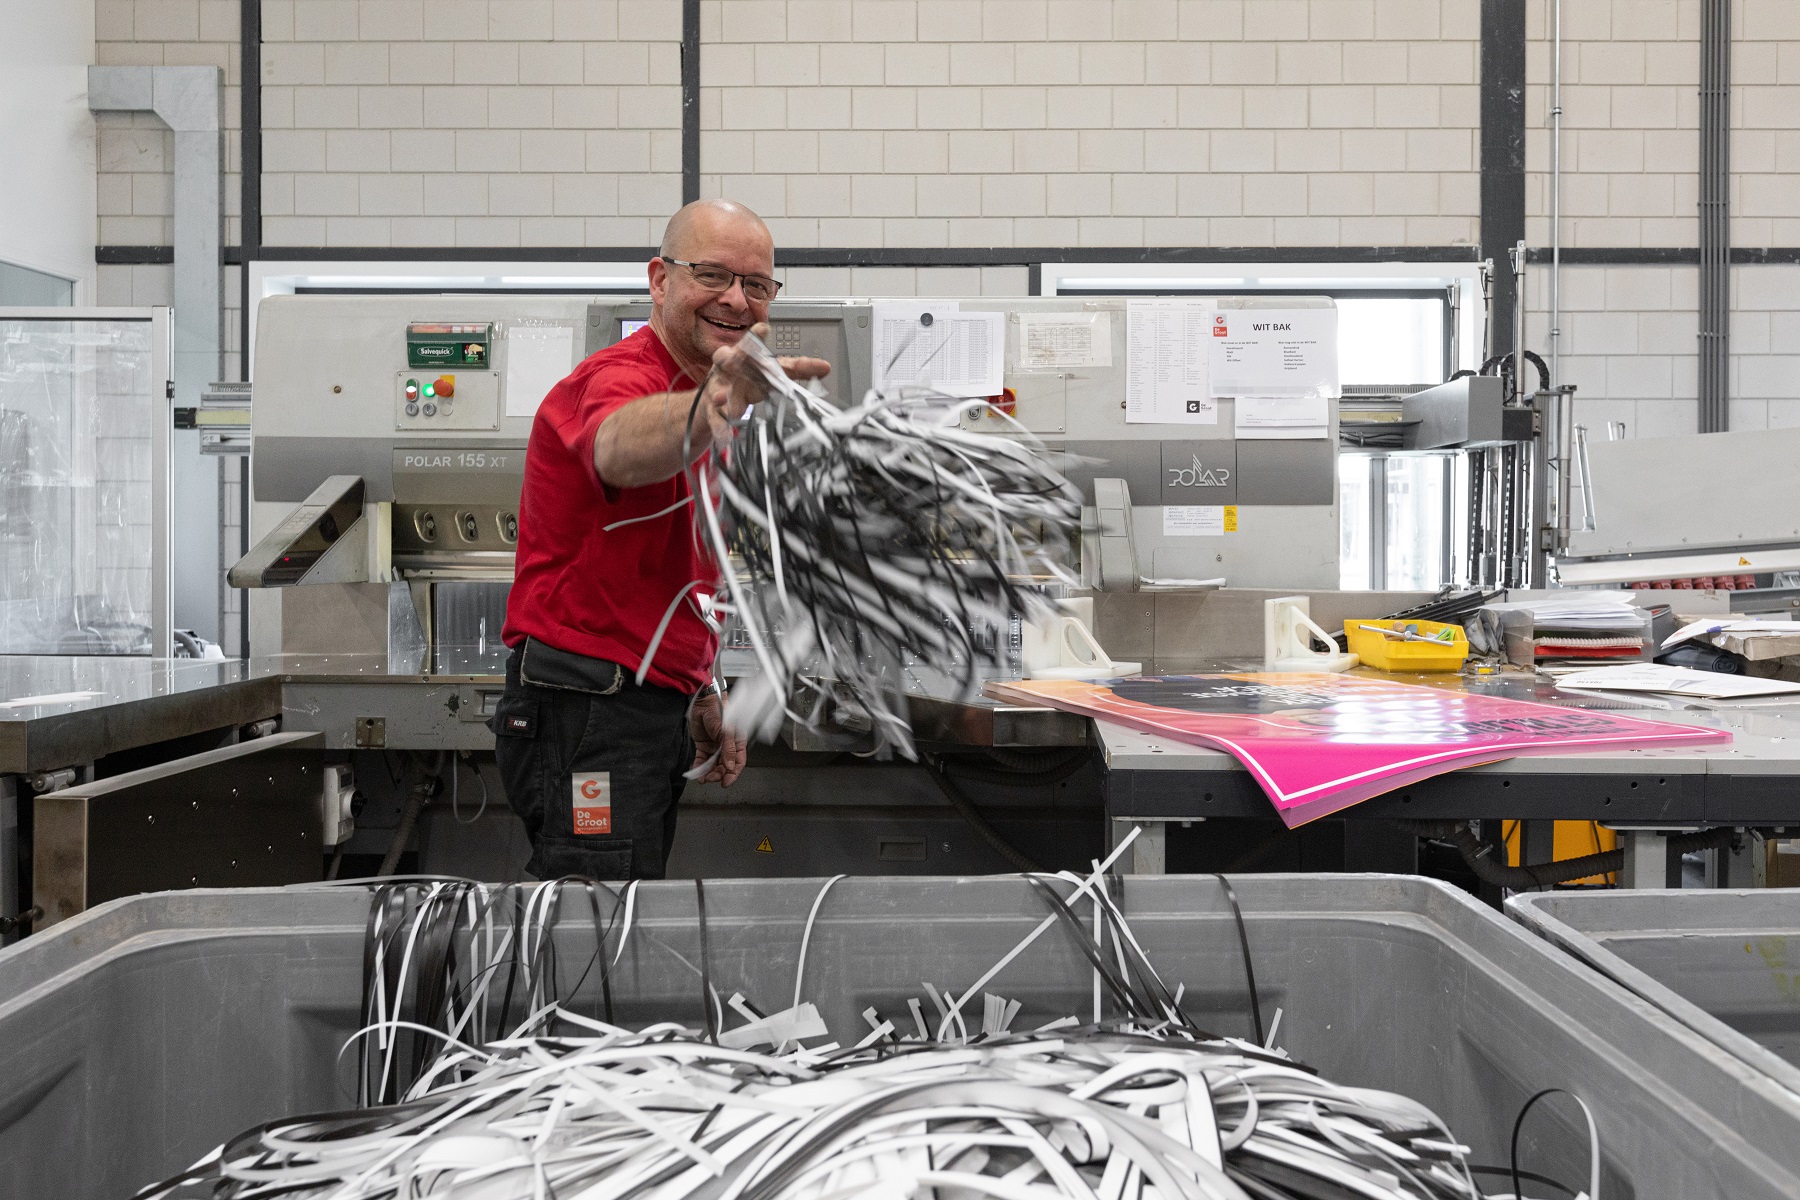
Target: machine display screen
627,328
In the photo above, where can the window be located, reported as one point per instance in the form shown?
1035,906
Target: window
1398,323
1393,338
21,287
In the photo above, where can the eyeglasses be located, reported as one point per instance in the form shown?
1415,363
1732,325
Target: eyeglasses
759,288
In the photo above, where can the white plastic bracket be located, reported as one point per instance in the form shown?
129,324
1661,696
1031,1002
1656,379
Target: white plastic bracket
1287,622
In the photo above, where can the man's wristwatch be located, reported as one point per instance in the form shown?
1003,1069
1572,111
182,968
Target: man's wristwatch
710,688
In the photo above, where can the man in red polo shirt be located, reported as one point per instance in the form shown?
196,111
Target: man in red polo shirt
610,573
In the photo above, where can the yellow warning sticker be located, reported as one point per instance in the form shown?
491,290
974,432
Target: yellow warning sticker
1743,562
1231,518
765,847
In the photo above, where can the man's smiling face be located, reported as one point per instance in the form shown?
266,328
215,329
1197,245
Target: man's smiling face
694,321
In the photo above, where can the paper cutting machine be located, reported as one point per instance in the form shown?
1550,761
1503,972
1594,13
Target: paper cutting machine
390,431
388,450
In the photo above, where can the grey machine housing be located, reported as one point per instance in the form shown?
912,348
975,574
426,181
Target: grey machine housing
355,497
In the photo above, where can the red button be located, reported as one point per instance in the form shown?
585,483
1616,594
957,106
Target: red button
446,386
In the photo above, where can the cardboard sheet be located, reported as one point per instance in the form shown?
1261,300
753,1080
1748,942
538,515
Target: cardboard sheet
1320,743
1675,681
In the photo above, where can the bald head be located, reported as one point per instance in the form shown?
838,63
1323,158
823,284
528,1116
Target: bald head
706,221
692,311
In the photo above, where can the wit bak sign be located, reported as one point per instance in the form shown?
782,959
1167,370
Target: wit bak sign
1274,352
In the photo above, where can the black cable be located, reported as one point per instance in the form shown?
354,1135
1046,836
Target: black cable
600,937
1542,370
516,899
416,800
543,959
1084,941
1519,1124
706,1003
965,808
1137,962
1237,913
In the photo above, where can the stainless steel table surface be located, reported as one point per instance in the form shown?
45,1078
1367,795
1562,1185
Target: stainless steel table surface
58,711
1754,779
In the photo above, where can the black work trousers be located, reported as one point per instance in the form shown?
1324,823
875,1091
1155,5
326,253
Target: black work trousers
592,762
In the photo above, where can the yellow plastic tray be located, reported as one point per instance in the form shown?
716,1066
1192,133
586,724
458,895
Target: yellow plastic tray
1394,654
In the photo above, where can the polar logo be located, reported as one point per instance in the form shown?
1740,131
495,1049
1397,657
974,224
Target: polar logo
1199,475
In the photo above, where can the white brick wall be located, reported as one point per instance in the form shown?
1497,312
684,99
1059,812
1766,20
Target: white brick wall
951,122
136,151
1630,159
470,122
1765,343
1095,122
1630,345
1765,143
929,123
1631,119
136,155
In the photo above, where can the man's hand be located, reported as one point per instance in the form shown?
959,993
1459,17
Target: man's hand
736,382
706,725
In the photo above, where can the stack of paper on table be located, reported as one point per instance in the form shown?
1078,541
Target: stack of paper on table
1674,681
1756,640
1576,624
1320,743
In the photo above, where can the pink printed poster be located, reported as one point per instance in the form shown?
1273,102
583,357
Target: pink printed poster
1320,743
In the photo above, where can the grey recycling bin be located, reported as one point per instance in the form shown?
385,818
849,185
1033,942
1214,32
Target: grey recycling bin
138,1036
1725,964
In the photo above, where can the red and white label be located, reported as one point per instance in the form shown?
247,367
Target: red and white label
1219,327
590,794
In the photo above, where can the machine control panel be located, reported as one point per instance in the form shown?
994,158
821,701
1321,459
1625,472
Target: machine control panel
431,399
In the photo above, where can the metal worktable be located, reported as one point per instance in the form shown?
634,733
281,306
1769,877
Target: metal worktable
63,717
58,712
84,709
341,695
1752,781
